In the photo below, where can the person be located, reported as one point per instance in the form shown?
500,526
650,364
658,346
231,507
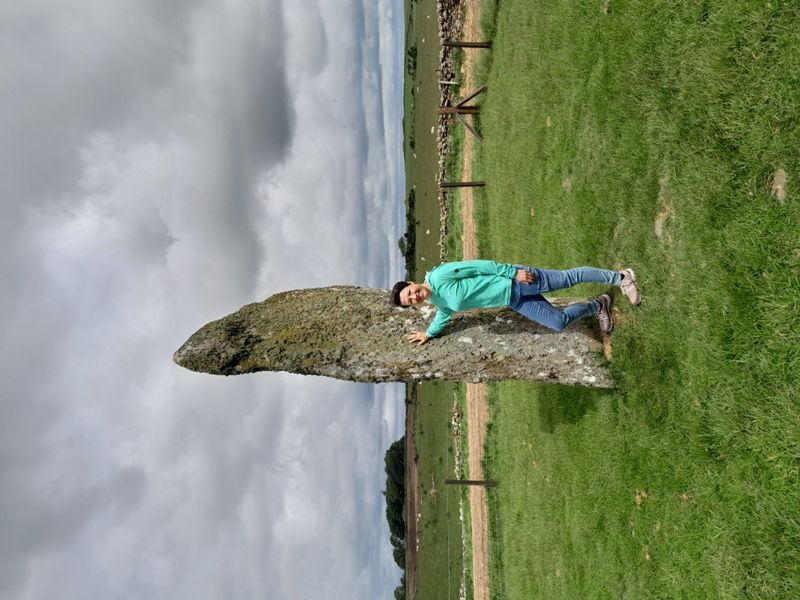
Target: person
457,286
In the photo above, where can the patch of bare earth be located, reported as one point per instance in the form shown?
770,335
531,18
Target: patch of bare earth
477,417
471,33
477,410
778,186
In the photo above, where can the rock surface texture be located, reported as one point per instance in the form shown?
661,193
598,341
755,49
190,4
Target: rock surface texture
355,334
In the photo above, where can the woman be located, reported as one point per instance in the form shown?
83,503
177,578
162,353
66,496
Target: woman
485,284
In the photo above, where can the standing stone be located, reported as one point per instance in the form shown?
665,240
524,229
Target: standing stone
355,334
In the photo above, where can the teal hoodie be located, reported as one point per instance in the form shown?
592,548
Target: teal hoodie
468,284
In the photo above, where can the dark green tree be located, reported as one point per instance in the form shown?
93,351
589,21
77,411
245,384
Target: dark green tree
400,556
395,494
400,592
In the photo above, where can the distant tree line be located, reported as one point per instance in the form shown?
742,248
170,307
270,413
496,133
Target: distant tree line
400,590
395,466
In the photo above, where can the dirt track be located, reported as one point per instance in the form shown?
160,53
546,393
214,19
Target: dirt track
470,33
477,416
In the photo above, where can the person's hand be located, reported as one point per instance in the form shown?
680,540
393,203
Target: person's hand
419,337
525,276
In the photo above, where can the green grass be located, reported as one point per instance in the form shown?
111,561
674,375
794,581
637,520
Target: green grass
594,503
421,102
605,124
440,547
455,167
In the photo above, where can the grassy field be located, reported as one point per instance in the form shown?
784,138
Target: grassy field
421,94
664,136
440,535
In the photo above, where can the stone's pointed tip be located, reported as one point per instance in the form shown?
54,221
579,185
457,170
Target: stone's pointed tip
202,355
185,356
178,357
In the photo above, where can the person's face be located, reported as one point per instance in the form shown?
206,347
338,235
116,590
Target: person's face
414,293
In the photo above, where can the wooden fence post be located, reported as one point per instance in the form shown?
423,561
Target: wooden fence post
447,44
488,483
470,128
459,110
457,184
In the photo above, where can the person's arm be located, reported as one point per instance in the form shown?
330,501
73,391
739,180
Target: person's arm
441,319
471,268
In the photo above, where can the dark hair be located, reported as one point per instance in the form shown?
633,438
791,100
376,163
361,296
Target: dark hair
394,295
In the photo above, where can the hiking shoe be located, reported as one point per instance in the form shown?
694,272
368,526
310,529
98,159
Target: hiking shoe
629,287
604,316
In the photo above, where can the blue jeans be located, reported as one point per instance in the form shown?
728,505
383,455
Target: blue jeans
527,299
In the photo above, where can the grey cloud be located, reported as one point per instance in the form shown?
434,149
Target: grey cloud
62,508
345,473
356,206
138,140
309,48
224,94
64,53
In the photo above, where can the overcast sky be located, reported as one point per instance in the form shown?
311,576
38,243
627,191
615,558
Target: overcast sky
163,162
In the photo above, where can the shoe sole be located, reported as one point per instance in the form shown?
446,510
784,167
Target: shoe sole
608,307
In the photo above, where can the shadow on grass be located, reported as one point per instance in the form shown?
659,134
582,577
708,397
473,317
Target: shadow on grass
561,405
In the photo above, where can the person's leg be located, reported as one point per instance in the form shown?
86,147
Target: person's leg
549,280
536,308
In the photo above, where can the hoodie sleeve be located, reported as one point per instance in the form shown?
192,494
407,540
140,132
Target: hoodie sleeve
441,319
471,268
